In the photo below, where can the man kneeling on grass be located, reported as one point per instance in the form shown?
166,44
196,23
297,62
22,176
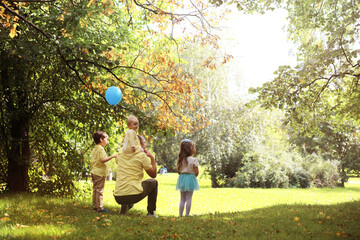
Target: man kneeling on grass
129,187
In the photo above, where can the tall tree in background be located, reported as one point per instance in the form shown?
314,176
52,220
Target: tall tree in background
327,77
57,60
323,89
232,129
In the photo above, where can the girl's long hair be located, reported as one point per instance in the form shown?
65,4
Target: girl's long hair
186,149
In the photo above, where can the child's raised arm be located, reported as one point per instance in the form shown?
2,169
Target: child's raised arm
104,160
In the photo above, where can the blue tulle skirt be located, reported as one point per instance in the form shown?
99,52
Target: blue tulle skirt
187,182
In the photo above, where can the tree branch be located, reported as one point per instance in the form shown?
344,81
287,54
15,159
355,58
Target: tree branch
127,84
109,70
31,1
25,20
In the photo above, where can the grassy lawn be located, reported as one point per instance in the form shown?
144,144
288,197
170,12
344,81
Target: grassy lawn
216,214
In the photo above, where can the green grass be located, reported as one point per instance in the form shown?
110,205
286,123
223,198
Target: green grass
355,179
216,214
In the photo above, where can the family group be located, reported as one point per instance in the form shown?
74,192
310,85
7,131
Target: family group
131,161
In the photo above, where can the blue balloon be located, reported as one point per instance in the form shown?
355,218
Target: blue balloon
113,95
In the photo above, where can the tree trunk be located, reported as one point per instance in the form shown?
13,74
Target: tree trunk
343,176
17,136
19,156
214,182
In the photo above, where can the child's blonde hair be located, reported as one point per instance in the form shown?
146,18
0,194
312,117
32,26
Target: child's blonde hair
130,119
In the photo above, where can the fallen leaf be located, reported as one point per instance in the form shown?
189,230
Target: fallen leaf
21,226
5,219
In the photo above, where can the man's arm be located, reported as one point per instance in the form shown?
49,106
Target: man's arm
152,172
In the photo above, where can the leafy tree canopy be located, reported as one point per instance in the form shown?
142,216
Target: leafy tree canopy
57,60
327,77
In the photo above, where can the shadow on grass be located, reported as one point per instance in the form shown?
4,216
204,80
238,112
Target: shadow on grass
34,217
353,189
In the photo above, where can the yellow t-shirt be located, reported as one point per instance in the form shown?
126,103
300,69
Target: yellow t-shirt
129,173
97,167
131,140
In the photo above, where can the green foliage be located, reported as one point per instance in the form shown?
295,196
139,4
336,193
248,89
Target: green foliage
267,168
167,147
234,129
320,95
54,70
324,173
250,6
338,143
285,167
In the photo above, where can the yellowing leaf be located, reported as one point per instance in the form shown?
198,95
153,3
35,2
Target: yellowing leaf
13,33
5,219
91,2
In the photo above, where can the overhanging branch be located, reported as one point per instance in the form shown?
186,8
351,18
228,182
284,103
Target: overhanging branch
30,1
25,20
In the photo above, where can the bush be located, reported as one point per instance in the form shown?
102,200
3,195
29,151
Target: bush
324,172
300,178
3,172
261,170
282,169
54,174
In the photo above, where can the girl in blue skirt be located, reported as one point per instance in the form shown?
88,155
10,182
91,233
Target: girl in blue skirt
188,170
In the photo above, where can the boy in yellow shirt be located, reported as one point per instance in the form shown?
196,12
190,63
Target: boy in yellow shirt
98,171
